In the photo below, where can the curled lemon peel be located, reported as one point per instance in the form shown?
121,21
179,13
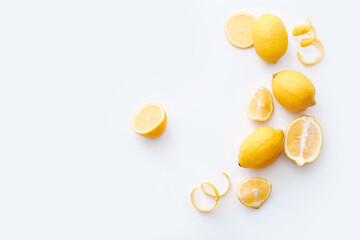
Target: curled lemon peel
220,195
320,55
216,197
301,29
308,41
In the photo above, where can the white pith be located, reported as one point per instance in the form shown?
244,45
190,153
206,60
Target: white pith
242,30
300,159
260,105
255,203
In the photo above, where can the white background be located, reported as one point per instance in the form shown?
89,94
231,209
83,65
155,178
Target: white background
73,74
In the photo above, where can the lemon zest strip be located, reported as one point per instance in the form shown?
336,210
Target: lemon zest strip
213,195
216,197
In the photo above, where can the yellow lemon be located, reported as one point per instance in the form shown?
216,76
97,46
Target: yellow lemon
261,105
261,148
254,191
270,38
303,140
150,121
293,90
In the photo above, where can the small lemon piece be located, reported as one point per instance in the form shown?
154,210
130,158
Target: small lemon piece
238,29
150,121
261,105
293,90
303,140
270,38
254,191
220,195
261,148
216,198
319,56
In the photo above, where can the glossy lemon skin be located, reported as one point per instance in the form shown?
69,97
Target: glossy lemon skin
293,90
261,148
270,38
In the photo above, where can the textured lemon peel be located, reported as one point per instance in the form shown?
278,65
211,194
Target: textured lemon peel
320,55
220,195
216,197
308,41
305,42
301,29
259,203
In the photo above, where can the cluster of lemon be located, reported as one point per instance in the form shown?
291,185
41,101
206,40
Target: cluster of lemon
302,140
269,37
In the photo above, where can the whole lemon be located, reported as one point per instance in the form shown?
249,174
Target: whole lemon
293,90
270,38
261,148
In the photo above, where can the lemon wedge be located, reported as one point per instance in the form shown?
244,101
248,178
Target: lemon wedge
261,105
238,29
254,191
303,140
150,121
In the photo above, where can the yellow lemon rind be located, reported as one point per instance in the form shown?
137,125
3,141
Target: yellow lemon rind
216,198
295,159
320,48
259,204
227,34
220,195
305,42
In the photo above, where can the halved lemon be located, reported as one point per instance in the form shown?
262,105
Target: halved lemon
238,29
303,140
261,105
150,121
254,191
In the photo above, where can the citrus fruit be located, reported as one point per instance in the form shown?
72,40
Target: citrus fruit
254,191
320,54
261,105
261,148
293,90
150,121
303,140
270,38
238,29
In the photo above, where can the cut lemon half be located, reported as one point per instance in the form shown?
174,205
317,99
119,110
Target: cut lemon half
216,194
303,140
150,121
319,56
203,187
261,105
238,29
254,191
